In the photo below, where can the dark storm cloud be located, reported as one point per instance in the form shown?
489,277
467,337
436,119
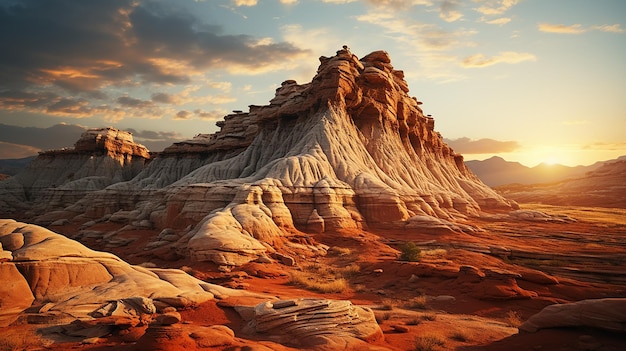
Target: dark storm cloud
79,47
481,146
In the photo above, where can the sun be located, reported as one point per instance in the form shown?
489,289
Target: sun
551,161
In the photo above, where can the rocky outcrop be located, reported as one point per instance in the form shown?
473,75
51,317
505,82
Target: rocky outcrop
350,149
608,314
64,279
58,178
313,323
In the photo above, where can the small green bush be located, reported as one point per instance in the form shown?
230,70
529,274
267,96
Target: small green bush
410,252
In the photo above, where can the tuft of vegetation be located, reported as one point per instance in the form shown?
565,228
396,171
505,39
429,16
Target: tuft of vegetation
459,335
20,340
325,279
417,303
409,252
338,251
429,317
430,342
513,319
413,321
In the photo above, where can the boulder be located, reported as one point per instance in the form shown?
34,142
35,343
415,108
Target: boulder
315,323
608,314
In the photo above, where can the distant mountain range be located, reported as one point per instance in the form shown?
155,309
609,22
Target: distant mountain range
11,167
496,171
605,186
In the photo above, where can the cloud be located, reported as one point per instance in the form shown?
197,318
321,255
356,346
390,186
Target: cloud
498,21
561,28
495,7
134,103
288,2
214,115
449,11
155,141
183,115
578,28
64,58
481,146
239,3
480,60
606,146
610,28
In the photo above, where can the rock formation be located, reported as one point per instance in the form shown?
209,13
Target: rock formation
314,322
608,314
350,149
65,280
58,178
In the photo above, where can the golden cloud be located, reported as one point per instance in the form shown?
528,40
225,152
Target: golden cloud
480,60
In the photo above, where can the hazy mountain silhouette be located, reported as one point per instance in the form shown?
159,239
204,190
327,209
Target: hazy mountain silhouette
497,171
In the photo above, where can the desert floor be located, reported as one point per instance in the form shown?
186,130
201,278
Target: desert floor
428,304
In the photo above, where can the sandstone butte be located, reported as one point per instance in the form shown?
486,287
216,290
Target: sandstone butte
350,150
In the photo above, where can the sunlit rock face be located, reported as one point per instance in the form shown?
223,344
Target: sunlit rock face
350,149
40,267
351,145
57,178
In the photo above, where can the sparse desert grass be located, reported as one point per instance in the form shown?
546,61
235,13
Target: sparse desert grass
429,342
428,317
460,335
417,303
434,253
337,251
513,319
321,284
325,279
19,340
413,321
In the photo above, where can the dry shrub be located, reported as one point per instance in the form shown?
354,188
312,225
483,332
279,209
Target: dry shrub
19,340
417,303
434,253
513,319
460,335
429,342
410,252
339,251
413,321
388,304
429,317
318,283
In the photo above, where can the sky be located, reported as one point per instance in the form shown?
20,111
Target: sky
528,80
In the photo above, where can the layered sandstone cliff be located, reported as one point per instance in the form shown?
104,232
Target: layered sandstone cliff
58,178
347,150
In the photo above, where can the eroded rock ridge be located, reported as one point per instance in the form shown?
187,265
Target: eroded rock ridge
350,149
